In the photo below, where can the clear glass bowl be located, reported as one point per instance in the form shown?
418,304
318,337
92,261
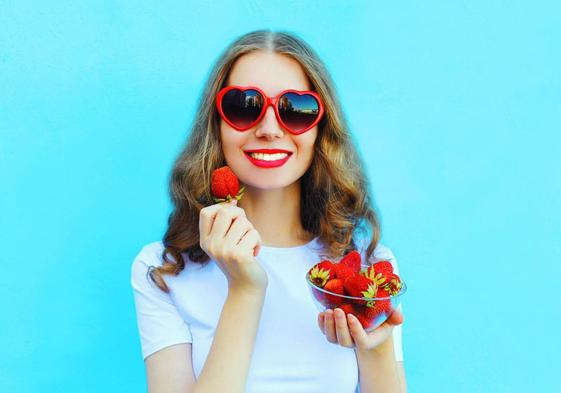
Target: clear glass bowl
370,314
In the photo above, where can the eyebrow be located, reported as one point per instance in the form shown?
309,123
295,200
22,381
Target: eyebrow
256,85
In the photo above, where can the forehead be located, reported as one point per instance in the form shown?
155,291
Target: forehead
271,72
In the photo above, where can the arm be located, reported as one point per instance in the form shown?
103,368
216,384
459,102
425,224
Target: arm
378,370
161,326
227,364
170,370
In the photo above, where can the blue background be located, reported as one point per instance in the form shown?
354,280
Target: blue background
455,106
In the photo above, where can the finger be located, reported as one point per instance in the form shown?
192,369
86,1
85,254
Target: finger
357,332
321,321
250,239
379,335
395,318
223,219
257,248
211,210
342,329
207,215
206,218
239,227
330,327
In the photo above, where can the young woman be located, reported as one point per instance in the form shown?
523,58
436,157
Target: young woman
222,303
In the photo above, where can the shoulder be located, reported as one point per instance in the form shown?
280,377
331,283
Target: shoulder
381,252
149,255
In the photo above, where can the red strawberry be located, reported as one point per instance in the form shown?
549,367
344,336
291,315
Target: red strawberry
342,271
348,308
380,307
375,309
373,314
356,310
225,185
380,272
383,266
382,293
352,260
394,285
359,286
364,321
334,285
320,273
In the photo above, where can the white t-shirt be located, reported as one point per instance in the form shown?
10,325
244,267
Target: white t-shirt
291,354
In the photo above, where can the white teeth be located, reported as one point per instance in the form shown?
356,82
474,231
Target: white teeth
268,157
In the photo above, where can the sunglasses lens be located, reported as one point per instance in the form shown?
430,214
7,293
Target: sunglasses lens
298,112
242,108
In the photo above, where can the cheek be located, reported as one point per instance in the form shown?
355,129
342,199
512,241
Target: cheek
306,144
227,136
232,141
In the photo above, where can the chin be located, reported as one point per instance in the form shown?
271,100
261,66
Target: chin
268,183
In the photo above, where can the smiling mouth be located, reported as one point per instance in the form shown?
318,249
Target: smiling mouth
268,161
268,157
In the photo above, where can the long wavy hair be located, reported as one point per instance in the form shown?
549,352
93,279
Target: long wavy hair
335,197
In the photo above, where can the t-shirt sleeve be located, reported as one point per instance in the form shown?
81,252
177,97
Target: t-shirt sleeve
159,323
382,252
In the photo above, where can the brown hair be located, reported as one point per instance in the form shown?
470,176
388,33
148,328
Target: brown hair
335,199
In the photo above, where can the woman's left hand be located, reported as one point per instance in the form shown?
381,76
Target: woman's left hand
348,332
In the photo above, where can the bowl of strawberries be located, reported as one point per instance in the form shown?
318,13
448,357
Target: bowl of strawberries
371,292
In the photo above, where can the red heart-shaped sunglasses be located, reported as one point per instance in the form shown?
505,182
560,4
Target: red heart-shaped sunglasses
242,107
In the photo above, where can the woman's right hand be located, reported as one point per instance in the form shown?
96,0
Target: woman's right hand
228,237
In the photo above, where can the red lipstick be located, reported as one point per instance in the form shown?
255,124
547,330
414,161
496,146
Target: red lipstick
268,151
268,164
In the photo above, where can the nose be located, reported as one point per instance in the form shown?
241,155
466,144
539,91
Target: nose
269,126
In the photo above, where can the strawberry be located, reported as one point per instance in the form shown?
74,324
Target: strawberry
373,314
382,293
335,285
380,272
383,267
342,271
364,321
225,185
394,285
320,273
357,311
348,308
374,309
359,286
352,260
379,308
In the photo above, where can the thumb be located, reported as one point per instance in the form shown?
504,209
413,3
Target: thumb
396,318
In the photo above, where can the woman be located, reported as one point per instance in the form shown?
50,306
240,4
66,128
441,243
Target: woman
221,302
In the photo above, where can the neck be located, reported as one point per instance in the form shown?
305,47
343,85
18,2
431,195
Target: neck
276,215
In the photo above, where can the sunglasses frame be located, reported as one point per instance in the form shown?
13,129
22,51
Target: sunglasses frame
268,101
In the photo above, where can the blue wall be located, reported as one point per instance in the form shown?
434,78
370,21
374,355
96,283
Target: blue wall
456,107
